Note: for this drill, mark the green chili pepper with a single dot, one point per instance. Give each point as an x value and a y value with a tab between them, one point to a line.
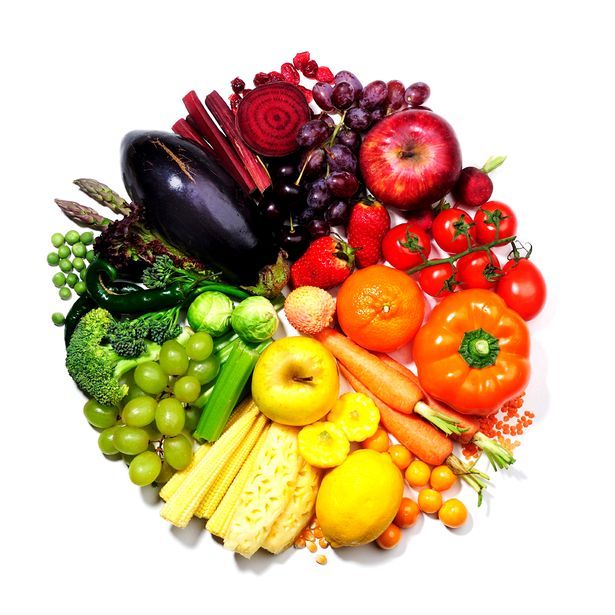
101	274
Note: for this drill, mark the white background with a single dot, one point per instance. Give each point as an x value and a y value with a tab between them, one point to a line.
532	81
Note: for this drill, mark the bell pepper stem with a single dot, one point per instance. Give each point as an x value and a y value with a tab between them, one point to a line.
499	457
468	473
443	423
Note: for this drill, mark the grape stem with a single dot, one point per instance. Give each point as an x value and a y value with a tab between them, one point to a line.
338	127
455	257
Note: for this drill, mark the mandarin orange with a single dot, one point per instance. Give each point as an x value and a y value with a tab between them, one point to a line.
380	308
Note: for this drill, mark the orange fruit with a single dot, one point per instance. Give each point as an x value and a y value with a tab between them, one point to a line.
380	308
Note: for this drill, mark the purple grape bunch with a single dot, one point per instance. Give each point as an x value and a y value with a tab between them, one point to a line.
313	192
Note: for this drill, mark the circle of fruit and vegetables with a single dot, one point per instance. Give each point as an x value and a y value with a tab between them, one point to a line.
179	290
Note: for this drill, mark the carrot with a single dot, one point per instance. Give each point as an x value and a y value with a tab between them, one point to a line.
469	424
382	380
419	437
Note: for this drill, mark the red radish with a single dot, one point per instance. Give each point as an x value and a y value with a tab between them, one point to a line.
474	186
269	117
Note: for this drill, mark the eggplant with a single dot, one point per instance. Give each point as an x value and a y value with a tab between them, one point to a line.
193	203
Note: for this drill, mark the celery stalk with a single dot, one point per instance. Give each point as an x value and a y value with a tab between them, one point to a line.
227	390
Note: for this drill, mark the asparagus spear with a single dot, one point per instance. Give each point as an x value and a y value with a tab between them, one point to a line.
82	215
104	195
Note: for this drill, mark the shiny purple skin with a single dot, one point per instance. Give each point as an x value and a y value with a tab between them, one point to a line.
342	96
374	95
417	93
313	163
338	213
342	184
196	205
347	77
322	95
318	228
341	158
349	138
396	94
358	119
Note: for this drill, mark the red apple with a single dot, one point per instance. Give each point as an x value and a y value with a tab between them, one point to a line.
410	159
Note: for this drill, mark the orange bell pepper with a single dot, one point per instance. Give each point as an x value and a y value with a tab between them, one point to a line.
473	352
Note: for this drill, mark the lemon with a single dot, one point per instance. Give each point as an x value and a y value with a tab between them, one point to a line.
359	499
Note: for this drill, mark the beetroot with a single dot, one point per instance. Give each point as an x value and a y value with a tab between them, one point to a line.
473	188
269	117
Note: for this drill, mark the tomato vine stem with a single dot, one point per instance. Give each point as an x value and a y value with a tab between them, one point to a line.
455	257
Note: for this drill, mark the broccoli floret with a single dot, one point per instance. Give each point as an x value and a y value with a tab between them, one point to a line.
94	365
129	337
164	272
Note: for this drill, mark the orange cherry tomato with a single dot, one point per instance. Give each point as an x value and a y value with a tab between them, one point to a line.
430	501
417	473
378	442
453	513
401	456
442	478
390	537
407	514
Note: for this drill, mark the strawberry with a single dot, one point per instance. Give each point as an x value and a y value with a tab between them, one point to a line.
369	222
326	263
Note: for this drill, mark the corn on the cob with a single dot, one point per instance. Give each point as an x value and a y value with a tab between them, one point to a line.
268	492
214	495
242	407
298	512
180	507
178	478
219	522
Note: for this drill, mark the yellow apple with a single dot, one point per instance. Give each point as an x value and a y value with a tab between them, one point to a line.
295	381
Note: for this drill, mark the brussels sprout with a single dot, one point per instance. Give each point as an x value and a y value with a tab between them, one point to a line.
255	319
210	312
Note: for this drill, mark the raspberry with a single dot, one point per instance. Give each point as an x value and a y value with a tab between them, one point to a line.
234	99
261	79
324	74
275	76
301	59
289	73
238	85
310	69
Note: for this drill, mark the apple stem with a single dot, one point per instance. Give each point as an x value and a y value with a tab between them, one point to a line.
455	257
406	154
306	379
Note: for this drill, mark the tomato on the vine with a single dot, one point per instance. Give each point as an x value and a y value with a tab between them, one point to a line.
406	245
451	229
523	288
478	270
438	280
491	214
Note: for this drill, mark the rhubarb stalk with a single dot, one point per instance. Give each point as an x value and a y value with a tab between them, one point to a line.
225	118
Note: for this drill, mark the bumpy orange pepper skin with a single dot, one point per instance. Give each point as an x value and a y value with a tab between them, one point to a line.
493	364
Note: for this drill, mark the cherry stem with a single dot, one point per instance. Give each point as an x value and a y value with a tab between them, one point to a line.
455	257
